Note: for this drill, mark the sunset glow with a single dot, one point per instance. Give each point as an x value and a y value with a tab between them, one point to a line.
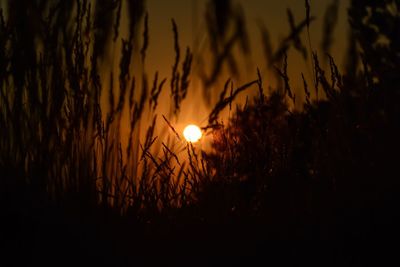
192	133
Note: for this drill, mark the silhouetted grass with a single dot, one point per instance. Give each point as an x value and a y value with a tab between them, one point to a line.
327	172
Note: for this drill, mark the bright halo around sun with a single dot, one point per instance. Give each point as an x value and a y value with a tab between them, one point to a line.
192	133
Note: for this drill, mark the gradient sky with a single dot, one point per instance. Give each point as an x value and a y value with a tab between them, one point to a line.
271	13
191	25
189	16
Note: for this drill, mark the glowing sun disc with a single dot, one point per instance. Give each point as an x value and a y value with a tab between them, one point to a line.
192	133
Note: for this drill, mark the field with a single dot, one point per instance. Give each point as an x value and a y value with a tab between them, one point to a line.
94	168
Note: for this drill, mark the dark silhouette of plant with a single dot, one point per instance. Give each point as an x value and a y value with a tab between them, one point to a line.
58	139
226	29
325	172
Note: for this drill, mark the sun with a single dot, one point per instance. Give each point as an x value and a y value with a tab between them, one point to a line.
192	133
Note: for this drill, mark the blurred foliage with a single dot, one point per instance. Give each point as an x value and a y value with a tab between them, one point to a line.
376	26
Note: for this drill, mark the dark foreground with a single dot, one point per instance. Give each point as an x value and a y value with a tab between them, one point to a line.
58	236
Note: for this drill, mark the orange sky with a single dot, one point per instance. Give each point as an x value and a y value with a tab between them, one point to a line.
272	13
191	25
189	18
